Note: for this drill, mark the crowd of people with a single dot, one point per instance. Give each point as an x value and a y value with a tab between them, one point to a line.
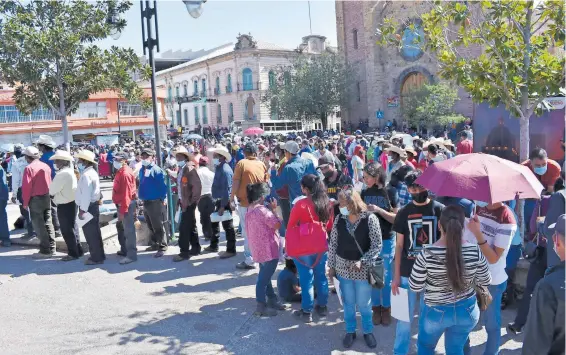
331	208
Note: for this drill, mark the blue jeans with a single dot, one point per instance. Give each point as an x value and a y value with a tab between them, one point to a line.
247	252
263	286
403	329
513	256
383	297
356	293
308	274
4	230
456	320
492	321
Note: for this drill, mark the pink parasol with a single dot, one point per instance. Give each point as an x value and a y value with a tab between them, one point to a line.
253	130
481	177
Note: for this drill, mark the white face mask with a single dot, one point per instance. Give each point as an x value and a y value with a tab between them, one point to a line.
117	164
181	163
215	161
145	162
344	211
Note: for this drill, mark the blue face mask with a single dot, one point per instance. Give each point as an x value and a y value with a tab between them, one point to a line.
540	170
344	211
481	203
81	168
181	163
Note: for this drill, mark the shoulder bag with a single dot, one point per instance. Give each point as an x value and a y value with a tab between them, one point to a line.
533	249
375	267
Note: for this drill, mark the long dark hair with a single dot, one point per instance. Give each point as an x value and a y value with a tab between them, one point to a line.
452	223
314	185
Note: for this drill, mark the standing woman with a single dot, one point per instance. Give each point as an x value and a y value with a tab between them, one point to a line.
358	164
356	228
447	272
87	197
316	207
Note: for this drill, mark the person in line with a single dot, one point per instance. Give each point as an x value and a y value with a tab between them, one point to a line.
262	227
492	228
46	146
334	180
358	164
87	198
416	225
322	151
205	203
221	190
545	169
314	208
189	190
511	261
35	198
153	193
288	286
63	191
447	271
18	165
397	182
248	171
395	160
4	197
294	170
545	331
382	200
354	241
124	195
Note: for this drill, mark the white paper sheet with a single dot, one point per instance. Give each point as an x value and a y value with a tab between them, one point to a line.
338	291
86	218
178	216
400	305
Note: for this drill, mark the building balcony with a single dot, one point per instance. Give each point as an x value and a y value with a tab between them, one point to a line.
249	86
253	118
219	120
228	89
203	93
230	118
216	91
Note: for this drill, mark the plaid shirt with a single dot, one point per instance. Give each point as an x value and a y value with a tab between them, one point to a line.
404	195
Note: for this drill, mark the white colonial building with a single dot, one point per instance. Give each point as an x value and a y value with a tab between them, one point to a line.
223	87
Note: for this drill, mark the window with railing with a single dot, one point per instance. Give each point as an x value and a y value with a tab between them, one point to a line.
90	110
247	79
197	120
271	79
203	87
10	114
186	114
229	83
195	88
127	109
170	93
177	92
217	89
219	114
179	118
204	115
185	90
230	112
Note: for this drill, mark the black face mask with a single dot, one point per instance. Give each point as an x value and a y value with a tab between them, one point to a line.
328	174
420	197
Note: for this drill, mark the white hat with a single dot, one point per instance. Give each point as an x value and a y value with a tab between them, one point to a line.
219	149
411	150
182	150
86	155
397	150
46	140
307	155
448	142
62	155
31	151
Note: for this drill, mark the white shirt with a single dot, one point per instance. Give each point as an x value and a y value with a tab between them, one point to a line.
88	189
64	186
327	154
18	167
352	147
206	177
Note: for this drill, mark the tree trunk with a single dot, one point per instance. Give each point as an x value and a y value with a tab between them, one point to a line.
324	121
524	139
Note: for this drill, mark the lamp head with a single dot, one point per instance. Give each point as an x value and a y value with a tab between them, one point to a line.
194	7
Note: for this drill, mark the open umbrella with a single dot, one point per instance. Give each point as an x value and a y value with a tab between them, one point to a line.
193	136
253	130
7	147
481	177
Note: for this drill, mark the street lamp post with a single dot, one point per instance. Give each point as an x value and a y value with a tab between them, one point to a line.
119	127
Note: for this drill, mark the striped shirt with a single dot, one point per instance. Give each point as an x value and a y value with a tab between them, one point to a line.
431	275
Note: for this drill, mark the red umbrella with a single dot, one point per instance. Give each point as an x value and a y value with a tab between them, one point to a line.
481	177
253	130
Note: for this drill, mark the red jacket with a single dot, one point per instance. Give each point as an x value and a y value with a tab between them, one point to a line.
124	189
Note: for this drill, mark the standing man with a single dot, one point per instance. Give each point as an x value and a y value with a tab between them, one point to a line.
46	145
4	196
205	203
221	190
248	171
153	193
322	151
545	169
465	145
124	196
545	331
35	197
18	166
62	191
334	180
87	198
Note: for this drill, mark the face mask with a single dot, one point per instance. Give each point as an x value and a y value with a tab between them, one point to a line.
181	163
425	153
540	170
117	165
145	162
420	197
328	174
56	167
344	211
481	203
389	158
81	168
215	161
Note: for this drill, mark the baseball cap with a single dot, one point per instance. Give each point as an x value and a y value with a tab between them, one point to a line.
324	161
559	226
250	148
121	156
149	152
292	147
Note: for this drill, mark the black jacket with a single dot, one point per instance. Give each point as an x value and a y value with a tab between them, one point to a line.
544	331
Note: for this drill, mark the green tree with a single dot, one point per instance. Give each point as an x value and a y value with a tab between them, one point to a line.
47	54
430	105
521	61
310	89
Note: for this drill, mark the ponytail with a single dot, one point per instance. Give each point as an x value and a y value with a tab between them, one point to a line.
318	195
452	222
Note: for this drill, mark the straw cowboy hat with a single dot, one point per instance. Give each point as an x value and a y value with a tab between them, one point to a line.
31	152
411	150
46	140
221	150
86	155
397	150
182	150
448	143
62	155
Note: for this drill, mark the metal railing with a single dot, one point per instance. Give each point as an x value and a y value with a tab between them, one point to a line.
249	86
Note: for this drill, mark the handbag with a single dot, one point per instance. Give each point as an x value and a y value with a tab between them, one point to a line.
532	250
306	239
483	296
375	268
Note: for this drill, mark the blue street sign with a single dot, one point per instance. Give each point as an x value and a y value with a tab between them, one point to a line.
379	114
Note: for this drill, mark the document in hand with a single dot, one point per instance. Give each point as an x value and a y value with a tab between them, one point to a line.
338	291
400	305
86	218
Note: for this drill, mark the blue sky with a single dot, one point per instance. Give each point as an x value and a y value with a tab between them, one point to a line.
280	22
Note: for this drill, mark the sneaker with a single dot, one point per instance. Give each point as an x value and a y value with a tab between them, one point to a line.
126	260
42	255
263	311
322	311
386	316
226	255
180	257
210	249
158	254
151	248
194	252
89	261
348	340
376	316
68	258
305	316
370	340
243	266
514	328
275	304
120	253
5	243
